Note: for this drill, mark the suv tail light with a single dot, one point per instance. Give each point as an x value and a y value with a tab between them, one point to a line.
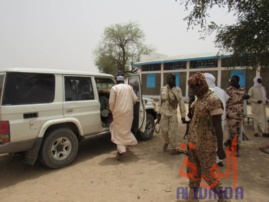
4	132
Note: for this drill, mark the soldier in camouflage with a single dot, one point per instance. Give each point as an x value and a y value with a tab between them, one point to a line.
204	139
170	99
234	112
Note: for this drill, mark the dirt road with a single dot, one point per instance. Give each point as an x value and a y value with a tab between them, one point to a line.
147	174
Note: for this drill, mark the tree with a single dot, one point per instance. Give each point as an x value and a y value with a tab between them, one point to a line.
248	37
121	45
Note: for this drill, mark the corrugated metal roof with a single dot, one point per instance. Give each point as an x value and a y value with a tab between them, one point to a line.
184	58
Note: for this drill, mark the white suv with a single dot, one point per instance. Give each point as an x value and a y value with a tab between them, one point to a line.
45	114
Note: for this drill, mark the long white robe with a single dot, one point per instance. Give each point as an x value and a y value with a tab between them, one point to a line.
221	94
258	110
121	102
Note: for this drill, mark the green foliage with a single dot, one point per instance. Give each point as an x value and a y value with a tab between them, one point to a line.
121	45
249	36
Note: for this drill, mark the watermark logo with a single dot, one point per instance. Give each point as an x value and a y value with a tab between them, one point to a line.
208	194
230	161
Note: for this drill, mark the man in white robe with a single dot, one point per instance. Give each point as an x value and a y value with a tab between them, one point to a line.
258	100
121	102
222	95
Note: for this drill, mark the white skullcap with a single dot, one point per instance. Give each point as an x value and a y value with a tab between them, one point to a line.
120	78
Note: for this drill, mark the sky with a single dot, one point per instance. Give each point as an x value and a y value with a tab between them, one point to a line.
63	34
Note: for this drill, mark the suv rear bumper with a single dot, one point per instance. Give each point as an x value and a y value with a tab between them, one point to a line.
13	147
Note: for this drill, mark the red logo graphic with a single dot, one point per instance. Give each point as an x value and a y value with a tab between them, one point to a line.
214	170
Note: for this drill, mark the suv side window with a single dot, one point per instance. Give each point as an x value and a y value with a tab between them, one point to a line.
78	88
29	88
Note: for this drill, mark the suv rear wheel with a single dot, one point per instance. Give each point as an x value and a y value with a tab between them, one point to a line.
59	149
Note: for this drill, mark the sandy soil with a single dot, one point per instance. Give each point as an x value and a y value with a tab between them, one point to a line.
147	174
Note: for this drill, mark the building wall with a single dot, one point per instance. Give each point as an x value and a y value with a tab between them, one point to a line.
156	72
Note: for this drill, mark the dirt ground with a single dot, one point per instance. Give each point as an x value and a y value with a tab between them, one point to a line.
147	174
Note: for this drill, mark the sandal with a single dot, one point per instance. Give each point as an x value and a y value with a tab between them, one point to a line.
120	155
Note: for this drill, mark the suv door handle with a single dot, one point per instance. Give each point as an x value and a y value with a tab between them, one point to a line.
69	110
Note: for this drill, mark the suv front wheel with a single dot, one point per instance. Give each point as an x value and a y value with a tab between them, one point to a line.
59	148
149	130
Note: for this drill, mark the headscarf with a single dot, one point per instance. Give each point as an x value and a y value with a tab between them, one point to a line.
255	80
198	80
210	79
259	85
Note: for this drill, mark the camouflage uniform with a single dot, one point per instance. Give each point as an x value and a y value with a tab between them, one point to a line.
202	141
170	99
234	110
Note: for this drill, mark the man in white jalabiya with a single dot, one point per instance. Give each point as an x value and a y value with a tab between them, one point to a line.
121	102
258	100
222	95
